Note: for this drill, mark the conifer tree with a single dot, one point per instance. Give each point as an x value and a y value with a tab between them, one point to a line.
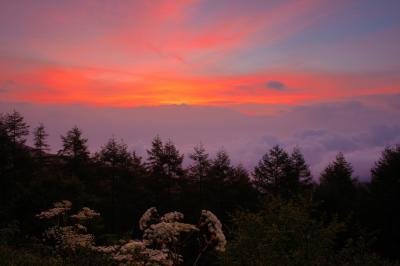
301	169
137	164
199	169
385	181
337	186
201	164
155	158
164	164
115	154
5	147
221	172
74	148
385	188
40	136
16	127
172	168
172	160
274	174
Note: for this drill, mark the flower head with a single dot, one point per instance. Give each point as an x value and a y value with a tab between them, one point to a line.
211	223
149	217
85	214
60	207
172	217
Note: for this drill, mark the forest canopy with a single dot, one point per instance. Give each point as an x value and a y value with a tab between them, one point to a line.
274	214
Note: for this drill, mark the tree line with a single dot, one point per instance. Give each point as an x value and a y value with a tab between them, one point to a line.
121	185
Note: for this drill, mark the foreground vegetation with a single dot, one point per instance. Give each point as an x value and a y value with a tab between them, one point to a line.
275	215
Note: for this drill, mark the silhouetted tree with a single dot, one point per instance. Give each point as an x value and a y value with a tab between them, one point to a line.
172	160
39	140
165	166
155	158
275	174
239	191
385	186
220	172
5	147
155	168
337	187
199	169
16	166
75	148
16	127
115	154
173	169
301	169
137	164
6	163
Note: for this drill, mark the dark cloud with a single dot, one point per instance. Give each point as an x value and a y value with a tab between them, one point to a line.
276	85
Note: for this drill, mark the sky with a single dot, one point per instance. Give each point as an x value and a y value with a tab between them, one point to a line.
239	75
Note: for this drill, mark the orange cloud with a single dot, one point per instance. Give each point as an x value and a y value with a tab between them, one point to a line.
46	83
155	53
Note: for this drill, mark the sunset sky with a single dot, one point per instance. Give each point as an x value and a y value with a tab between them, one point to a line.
251	73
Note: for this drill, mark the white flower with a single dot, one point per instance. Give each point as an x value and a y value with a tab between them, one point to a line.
85	214
214	226
81	228
160	257
132	246
150	216
67	237
59	208
172	217
164	234
182	227
105	249
161	233
134	252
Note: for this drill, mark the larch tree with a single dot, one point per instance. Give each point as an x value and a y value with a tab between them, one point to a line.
385	188
115	154
199	169
75	148
155	158
172	168
16	128
221	171
274	174
301	170
117	159
337	186
5	147
39	140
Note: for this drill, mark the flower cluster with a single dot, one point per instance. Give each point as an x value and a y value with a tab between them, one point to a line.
85	214
209	221
149	217
60	208
164	231
134	252
161	234
69	237
161	242
172	217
